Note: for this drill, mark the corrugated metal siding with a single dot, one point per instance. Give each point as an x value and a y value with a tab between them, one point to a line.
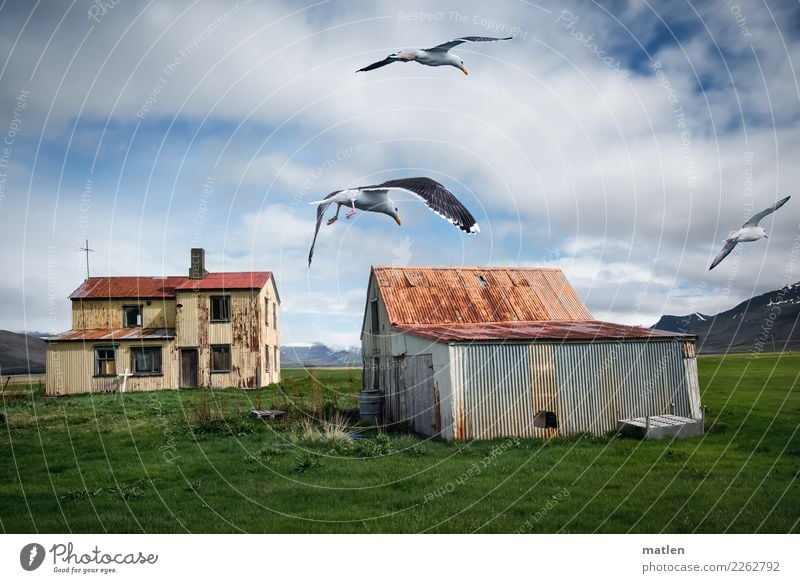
499	388
602	382
426	295
497	391
70	368
100	313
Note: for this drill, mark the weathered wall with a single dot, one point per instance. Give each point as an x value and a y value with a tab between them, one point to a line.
70	368
498	388
247	334
107	314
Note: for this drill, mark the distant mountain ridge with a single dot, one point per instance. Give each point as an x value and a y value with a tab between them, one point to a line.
318	355
21	353
768	322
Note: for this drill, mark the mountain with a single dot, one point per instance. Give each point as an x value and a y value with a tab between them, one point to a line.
318	355
769	322
21	353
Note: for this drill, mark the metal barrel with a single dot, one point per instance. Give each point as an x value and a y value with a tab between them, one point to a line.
370	406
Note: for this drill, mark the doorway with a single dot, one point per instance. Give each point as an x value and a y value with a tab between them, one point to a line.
189	360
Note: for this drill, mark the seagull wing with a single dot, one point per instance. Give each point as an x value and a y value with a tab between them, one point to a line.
378	64
753	222
437	197
320	213
726	250
444	47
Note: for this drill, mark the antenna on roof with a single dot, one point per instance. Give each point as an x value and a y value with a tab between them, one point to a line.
87	250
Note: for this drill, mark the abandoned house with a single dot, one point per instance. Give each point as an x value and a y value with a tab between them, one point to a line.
482	352
147	333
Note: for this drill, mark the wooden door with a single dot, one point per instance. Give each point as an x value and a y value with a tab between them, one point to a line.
189	362
420	390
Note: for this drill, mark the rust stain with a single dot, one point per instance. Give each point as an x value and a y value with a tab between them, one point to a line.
437	404
537	330
202	321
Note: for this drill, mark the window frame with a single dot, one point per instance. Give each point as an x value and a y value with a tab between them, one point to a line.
211	350
375	321
151	347
97	360
275	315
226	317
376	370
266	312
140	319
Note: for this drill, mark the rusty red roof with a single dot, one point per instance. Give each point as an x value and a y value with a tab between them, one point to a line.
539	330
228	280
164	287
453	295
115	334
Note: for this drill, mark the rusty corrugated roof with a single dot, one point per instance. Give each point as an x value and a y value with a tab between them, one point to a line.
164	287
115	334
452	295
547	330
228	280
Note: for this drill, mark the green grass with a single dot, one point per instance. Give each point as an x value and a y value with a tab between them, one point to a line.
146	462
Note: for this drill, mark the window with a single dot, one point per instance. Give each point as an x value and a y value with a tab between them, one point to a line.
267	358
131	316
376	378
266	311
105	364
146	360
275	315
546	420
275	360
373	310
220	308
221	358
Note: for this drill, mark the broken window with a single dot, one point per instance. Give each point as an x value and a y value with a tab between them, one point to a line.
546	420
131	316
221	358
374	314
220	308
146	360
268	359
105	363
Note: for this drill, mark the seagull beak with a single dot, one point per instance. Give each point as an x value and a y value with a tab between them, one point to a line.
397	220
464	69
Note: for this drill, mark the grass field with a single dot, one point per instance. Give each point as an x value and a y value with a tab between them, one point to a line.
192	461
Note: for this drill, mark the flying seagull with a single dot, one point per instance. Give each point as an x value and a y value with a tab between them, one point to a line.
434	56
750	231
376	199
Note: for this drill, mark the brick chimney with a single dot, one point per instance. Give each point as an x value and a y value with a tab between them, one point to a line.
197	267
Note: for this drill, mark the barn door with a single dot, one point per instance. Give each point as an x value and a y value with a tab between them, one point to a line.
419	382
189	367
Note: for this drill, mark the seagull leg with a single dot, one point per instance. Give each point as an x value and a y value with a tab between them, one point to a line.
334	218
351	213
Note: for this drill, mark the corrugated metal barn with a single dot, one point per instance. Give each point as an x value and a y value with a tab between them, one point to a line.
481	352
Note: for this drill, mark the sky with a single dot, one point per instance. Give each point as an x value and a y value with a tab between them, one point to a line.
620	142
